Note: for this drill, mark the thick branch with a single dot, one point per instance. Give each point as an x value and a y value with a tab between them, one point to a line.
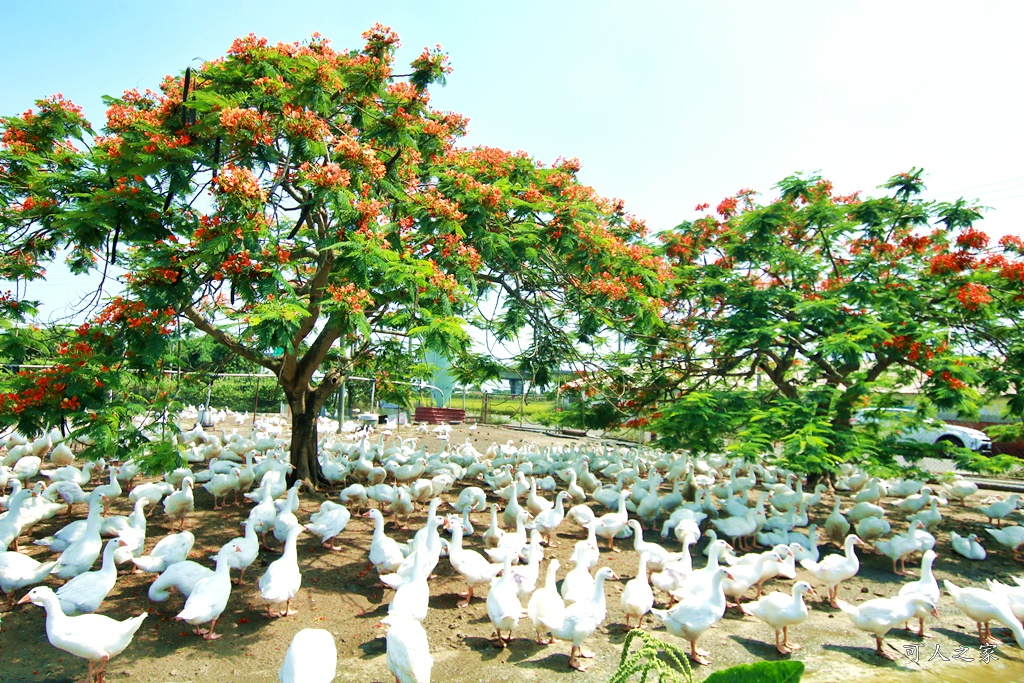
226	340
316	289
317	352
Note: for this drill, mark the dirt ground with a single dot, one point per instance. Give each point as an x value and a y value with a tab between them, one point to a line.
338	594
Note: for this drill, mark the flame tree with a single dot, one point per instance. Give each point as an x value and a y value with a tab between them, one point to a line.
789	315
299	205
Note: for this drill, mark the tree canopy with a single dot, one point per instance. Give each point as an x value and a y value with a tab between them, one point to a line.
786	316
302	206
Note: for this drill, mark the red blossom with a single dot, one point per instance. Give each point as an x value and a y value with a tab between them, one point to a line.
972	239
973	295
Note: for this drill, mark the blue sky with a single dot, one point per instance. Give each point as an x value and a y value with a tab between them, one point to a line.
667	105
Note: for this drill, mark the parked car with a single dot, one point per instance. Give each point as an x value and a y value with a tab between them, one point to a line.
931	432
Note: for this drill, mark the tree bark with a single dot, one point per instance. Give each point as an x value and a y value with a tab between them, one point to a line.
306	402
303	452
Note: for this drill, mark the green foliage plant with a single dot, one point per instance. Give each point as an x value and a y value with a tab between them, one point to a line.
654	655
672	665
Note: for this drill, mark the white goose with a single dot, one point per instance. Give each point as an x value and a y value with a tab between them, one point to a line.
209	597
578	583
926	586
243	550
168	550
880	615
961	489
179	504
473	566
834	569
1012	537
837	526
983	606
182	576
494	533
899	547
18	570
968	547
93	637
312	657
744	576
386	554
693	616
637	596
546	604
84	593
503	606
658	557
1000	509
582	618
607	526
80	555
330	521
782	610
547	521
282	580
408	652
74	531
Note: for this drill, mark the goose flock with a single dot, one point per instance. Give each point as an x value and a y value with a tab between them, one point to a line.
599	501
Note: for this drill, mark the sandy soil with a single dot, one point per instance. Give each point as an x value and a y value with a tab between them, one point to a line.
338	594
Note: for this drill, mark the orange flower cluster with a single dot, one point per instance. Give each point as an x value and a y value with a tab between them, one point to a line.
44	389
917	244
147	109
951	263
304	123
272	86
111	144
378	36
59	103
165	143
445	282
441	207
613	287
135	315
914	350
1012	243
972	239
125	186
154	276
240	182
363	155
18	140
328	175
248	123
727	207
281	254
33	204
952	381
237	264
972	295
247	47
356	300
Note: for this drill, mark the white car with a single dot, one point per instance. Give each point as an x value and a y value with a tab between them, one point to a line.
932	432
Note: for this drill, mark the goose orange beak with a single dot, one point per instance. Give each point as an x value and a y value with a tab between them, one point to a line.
23	600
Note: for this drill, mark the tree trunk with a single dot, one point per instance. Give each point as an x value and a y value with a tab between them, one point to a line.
306	466
306	401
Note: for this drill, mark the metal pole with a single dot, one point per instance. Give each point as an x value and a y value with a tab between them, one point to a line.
341	405
256	406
